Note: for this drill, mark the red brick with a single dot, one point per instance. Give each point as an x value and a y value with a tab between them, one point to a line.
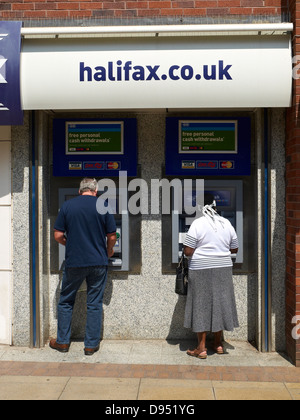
67	6
103	13
114	6
264	11
91	6
58	14
218	12
229	3
149	13
79	14
172	12
183	4
237	11
5	6
276	3
126	13
205	4
252	3
160	5
22	6
35	14
45	6
194	12
136	5
8	15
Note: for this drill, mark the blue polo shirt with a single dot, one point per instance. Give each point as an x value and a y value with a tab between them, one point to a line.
86	231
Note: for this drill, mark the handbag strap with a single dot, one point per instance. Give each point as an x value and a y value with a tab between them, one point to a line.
182	258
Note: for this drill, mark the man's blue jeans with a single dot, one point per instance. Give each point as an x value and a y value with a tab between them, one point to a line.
96	278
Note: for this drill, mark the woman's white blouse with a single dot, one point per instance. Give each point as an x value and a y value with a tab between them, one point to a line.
212	241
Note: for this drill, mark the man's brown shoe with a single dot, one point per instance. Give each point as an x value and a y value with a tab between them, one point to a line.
63	348
90	352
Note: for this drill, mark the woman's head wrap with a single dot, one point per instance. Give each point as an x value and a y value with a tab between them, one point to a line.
209	211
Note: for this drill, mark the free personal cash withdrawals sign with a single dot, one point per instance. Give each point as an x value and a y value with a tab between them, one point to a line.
98	148
161	72
208	137
208	147
94	138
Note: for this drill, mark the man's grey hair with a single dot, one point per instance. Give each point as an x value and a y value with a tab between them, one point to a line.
88	184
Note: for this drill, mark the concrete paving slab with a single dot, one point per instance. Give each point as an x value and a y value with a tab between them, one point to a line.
79	389
175	389
265	391
294	390
31	387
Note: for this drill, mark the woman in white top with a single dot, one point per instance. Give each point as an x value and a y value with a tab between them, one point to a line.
211	304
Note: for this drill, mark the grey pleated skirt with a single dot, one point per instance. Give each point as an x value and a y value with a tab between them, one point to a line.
211	304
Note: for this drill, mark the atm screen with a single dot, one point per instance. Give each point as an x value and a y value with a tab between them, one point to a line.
69	197
226	207
229	200
223	198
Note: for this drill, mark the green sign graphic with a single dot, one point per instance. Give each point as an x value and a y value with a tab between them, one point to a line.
90	138
208	137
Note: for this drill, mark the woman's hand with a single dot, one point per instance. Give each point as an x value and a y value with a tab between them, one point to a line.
188	251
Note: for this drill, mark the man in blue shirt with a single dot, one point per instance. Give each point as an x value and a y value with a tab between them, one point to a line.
89	238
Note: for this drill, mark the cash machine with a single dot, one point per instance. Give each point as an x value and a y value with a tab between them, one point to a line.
99	149
216	150
229	199
120	260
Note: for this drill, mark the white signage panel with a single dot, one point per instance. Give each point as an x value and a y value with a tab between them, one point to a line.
216	72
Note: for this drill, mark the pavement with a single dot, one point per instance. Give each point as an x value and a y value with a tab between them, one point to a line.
149	370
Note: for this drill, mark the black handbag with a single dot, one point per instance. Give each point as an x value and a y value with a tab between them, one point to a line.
182	272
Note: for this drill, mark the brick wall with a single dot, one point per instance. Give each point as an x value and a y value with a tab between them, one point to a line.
293	201
51	9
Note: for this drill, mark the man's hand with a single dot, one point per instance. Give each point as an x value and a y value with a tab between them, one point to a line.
110	252
111	242
60	237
